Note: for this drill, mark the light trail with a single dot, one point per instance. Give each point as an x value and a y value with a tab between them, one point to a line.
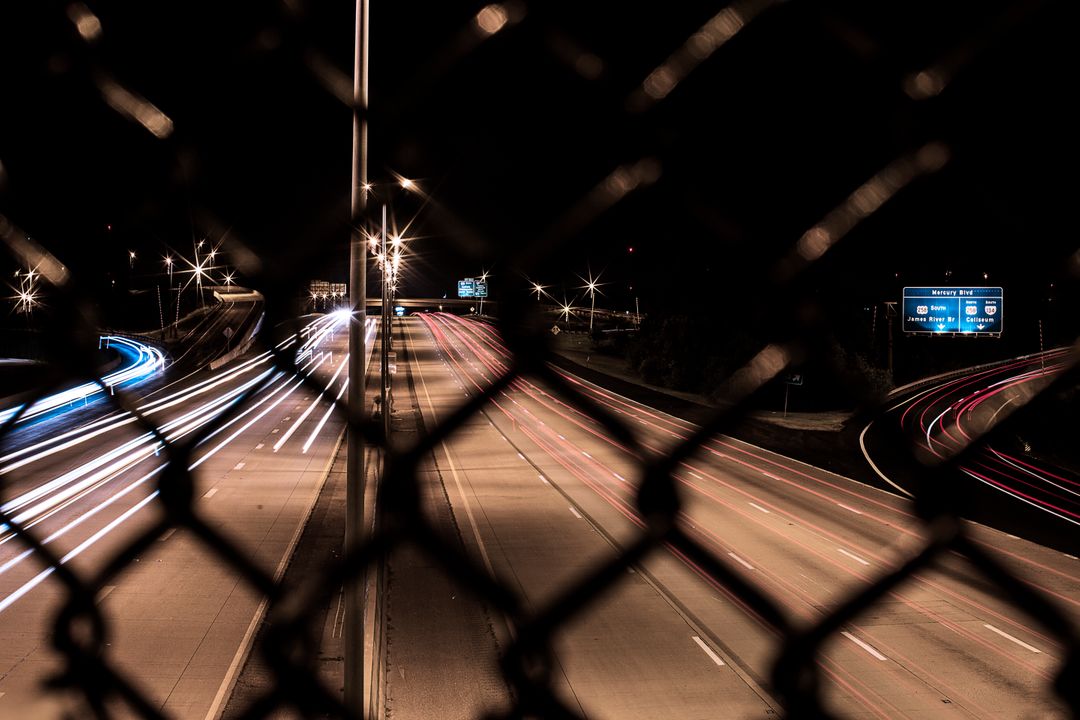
114	463
142	362
448	343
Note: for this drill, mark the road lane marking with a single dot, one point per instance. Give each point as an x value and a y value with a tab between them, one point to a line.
544	480
1007	636
260	446
238	466
695	475
857	512
521	456
274	431
586	454
619	477
561	437
576	513
865	646
742	562
104	593
853	556
210	493
708	651
167	534
758	507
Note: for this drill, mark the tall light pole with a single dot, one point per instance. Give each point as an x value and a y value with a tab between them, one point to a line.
384	333
354	475
483	279
591	285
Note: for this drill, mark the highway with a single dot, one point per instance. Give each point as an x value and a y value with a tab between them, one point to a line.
538	493
179	619
1009	485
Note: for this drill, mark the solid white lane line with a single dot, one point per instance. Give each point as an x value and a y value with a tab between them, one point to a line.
865	646
873	466
575	512
758	507
210	493
1007	636
851	509
742	562
708	651
167	534
853	556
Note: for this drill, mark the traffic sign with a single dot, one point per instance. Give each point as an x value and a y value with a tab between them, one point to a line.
953	311
480	288
466	288
793	378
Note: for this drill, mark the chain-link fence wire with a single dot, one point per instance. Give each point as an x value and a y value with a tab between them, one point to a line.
288	41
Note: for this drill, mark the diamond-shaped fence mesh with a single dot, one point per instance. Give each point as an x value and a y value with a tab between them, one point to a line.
755	141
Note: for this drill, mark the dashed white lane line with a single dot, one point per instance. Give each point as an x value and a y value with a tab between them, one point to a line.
708	651
865	646
561	437
166	535
758	507
210	493
575	512
521	456
586	454
274	431
853	556
619	477
544	480
1007	636
260	446
742	562
238	466
694	475
849	509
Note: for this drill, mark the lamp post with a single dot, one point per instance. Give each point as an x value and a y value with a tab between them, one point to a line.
384	390
591	285
353	630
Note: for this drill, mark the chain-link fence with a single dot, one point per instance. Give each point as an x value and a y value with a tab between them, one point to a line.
754	157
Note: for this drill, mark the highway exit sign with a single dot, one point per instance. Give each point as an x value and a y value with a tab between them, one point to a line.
953	310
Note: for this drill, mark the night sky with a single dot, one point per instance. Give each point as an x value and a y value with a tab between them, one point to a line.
509	134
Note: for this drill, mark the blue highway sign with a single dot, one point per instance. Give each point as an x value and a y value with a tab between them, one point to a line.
953	310
467	288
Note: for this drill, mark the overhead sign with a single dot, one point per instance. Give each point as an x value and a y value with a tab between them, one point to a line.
480	288
399	310
953	311
467	288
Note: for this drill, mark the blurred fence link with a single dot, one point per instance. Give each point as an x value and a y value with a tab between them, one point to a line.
81	627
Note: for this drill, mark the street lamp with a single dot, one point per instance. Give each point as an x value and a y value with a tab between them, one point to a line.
483	279
131	259
591	285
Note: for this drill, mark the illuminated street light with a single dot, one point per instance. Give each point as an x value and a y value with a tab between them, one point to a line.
538	288
483	279
131	259
591	285
407	184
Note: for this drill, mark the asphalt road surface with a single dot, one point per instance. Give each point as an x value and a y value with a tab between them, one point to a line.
537	493
179	619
